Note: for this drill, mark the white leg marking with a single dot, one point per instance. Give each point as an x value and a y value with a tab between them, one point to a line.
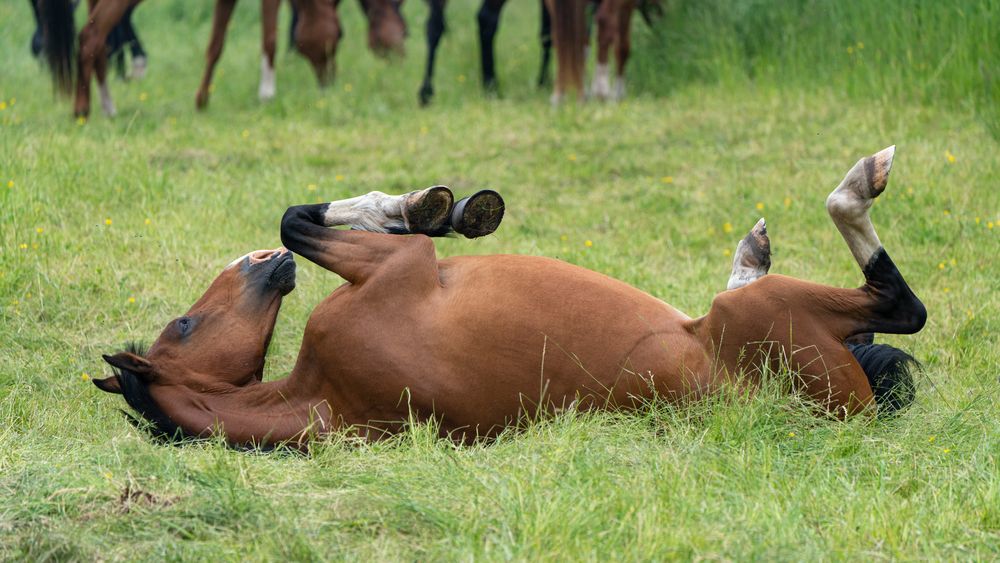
375	211
848	205
107	104
138	68
619	94
267	82
602	82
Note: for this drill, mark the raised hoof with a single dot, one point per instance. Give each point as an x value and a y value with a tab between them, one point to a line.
752	259
426	211
478	215
865	181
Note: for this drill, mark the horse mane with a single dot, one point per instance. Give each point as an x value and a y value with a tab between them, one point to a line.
890	374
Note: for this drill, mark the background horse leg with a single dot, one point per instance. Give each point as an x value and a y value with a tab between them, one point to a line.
220	20
623	46
269	32
607	29
545	36
104	15
139	60
435	29
489	19
569	32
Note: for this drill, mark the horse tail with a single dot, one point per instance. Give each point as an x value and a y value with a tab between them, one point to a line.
569	31
889	372
59	41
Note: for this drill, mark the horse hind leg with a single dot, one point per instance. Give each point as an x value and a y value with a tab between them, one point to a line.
752	258
269	33
893	307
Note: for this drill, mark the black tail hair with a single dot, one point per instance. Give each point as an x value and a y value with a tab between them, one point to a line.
889	372
59	41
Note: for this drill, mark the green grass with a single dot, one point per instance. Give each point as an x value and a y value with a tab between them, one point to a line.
655	183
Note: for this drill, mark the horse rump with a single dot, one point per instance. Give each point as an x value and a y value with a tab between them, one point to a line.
890	374
58	41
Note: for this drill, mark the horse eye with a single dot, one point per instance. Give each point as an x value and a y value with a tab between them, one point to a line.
184	325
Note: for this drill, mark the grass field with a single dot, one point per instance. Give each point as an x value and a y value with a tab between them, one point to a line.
108	229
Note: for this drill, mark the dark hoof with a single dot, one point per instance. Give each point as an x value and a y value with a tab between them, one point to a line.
426	95
478	215
426	211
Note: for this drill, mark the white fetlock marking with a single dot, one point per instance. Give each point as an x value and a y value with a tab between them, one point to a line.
107	104
267	80
619	94
138	68
602	82
376	212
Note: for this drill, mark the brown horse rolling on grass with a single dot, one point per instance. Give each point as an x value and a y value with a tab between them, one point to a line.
316	33
477	343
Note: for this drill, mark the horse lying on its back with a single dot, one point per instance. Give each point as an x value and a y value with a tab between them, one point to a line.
464	340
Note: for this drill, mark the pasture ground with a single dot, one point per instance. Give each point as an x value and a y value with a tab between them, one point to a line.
110	228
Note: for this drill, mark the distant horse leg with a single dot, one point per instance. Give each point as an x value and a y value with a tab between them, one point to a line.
223	11
269	31
545	35
101	69
624	44
36	37
569	33
435	29
489	20
752	258
139	60
103	17
607	29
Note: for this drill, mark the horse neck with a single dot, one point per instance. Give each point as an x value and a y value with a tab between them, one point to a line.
264	413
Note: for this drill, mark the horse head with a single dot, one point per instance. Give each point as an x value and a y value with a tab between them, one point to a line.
386	26
317	33
221	341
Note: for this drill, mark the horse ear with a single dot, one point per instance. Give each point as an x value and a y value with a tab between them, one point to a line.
109	384
131	362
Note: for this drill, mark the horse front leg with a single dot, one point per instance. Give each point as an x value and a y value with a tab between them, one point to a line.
623	47
489	20
220	21
607	29
435	29
545	37
269	39
102	18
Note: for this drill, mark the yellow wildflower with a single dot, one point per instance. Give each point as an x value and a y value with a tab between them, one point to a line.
949	156
24	246
909	191
3	105
81	120
131	300
107	222
143	96
791	434
348	87
85	377
588	243
667	179
953	262
149	221
10	183
788	202
760	206
945	450
989	225
727	252
941	266
861	45
572	157
850	50
947	212
563	238
39	230
339	178
311	187
946	290
931	439
977	220
727	227
245	133
423	129
461	78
